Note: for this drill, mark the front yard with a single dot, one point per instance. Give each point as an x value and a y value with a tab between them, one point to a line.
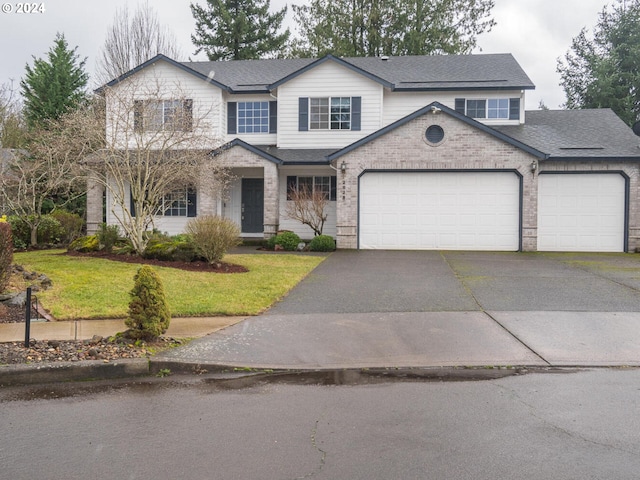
85	287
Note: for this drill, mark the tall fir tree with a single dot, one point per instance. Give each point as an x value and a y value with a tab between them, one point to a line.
53	87
239	30
604	71
390	27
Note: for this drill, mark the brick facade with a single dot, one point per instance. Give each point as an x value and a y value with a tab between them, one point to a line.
463	148
239	157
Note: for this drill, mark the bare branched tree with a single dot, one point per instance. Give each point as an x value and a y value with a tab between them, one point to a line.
132	40
152	147
48	169
308	205
12	124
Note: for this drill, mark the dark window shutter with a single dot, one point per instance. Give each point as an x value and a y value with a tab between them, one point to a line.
132	204
187	113
460	104
232	118
514	109
292	184
303	114
273	117
192	205
334	189
138	112
356	113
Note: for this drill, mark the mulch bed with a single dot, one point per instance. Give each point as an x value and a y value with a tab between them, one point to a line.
197	266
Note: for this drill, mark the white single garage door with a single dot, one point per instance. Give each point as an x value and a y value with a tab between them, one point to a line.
581	212
439	210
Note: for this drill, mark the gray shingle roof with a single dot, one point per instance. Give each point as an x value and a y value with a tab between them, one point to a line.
576	134
432	72
290	156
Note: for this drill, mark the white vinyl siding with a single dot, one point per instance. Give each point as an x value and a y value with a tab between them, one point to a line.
327	80
581	212
400	104
162	81
252	138
173	225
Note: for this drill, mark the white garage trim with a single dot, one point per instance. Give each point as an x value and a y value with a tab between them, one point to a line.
582	212
440	210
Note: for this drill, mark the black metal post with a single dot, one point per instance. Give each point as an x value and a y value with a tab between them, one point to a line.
27	318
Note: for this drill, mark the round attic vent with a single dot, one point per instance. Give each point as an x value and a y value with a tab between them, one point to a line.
434	134
636	128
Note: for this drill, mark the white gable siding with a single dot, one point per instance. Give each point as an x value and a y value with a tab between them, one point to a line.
400	104
257	138
327	80
162	80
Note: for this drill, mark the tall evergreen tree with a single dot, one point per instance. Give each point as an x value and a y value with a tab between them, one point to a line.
390	27
238	29
53	87
604	71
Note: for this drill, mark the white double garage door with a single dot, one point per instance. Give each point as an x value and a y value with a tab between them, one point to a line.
482	211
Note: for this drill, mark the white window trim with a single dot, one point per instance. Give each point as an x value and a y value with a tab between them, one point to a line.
245	126
329	122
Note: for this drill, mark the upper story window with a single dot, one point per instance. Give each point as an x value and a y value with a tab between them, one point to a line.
491	109
252	117
158	115
329	113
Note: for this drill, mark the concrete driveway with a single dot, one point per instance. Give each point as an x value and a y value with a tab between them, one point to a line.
425	309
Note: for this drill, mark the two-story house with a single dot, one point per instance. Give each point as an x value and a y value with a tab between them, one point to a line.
416	152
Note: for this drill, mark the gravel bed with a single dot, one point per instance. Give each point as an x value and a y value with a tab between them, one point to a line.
98	348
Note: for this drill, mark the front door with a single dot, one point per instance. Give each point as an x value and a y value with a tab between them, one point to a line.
252	205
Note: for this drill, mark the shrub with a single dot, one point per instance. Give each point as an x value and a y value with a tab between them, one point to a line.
49	231
178	250
71	224
288	241
6	254
149	315
322	243
213	236
108	235
86	244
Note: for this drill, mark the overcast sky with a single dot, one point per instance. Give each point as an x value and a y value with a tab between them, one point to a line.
536	32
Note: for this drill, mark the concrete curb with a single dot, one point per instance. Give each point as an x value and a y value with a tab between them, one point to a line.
55	372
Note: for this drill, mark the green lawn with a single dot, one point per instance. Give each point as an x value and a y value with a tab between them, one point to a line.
86	287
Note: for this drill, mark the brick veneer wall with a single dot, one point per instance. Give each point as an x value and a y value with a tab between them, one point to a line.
463	148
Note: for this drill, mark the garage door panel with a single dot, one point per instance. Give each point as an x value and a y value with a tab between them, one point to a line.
448	210
581	212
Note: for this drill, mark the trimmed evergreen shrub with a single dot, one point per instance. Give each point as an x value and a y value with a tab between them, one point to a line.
71	224
322	243
108	235
149	315
86	244
288	241
179	250
212	236
6	254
